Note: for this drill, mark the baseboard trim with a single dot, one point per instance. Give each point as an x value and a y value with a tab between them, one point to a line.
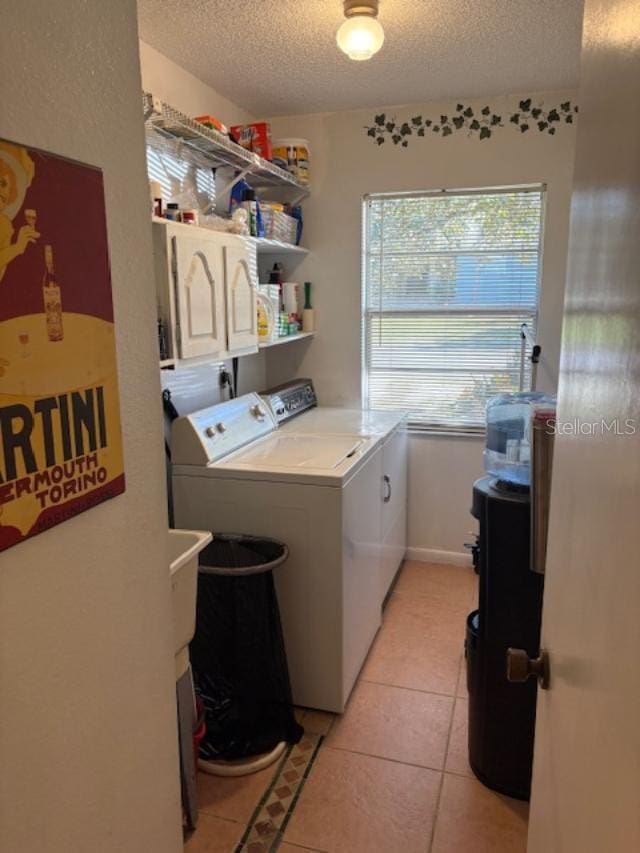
429	555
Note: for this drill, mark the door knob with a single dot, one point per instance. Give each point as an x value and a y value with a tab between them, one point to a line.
521	667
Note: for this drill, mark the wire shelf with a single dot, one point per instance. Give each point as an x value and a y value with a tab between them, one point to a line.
218	149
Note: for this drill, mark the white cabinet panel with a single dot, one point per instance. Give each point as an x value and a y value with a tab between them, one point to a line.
394	504
242	331
394	475
199	287
393	550
360	568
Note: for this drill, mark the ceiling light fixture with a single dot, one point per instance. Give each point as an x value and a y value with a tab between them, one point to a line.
361	35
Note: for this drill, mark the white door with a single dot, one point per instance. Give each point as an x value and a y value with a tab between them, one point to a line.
586	778
242	333
394	508
361	613
199	287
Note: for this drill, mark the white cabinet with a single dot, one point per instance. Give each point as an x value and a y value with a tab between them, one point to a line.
206	294
198	275
393	525
242	334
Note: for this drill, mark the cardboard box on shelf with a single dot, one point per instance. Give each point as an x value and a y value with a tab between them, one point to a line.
254	137
212	122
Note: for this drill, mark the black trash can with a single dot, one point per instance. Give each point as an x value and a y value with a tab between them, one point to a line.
237	654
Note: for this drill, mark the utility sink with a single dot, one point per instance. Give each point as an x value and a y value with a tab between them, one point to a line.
184	547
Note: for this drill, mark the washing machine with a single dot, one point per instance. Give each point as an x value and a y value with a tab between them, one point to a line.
235	470
295	406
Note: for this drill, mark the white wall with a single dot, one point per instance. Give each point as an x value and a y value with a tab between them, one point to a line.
346	164
169	81
87	715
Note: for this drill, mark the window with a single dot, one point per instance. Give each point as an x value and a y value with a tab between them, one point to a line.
449	277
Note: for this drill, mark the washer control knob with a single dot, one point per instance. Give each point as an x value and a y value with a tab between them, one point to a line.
210	432
258	412
221	427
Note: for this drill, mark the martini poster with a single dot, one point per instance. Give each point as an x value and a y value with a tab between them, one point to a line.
60	436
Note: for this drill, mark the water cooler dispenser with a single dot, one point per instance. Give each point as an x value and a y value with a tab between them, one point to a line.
502	713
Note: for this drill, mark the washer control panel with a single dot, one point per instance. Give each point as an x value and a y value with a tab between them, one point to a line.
293	398
210	434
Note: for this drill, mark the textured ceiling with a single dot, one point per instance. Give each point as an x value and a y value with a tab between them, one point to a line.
278	57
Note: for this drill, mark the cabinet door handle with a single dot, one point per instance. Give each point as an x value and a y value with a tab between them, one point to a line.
387	482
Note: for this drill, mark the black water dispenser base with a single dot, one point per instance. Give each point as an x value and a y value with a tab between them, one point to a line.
502	714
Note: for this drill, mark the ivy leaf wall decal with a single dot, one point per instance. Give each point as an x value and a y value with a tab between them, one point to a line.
483	125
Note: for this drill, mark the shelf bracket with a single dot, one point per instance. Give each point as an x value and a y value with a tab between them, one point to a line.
298	198
231	184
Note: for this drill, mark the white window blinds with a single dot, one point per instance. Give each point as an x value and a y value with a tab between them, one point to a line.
449	278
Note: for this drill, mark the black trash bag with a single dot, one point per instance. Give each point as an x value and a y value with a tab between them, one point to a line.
237	654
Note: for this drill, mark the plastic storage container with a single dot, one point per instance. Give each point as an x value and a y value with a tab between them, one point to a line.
508	452
293	155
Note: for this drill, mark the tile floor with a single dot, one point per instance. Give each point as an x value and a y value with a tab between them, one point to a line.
392	774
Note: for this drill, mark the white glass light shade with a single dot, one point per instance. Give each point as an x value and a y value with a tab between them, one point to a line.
360	37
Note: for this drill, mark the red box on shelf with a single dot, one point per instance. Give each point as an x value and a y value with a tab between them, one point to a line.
254	137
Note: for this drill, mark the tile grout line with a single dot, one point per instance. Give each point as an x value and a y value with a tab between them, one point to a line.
436	812
391	760
416	689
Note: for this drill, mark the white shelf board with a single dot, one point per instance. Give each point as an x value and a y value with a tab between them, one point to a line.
277	247
167	362
286	340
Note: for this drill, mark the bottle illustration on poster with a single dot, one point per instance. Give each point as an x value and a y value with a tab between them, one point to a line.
60	435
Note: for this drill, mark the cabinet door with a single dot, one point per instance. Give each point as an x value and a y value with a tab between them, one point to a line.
394	502
242	333
199	288
361	612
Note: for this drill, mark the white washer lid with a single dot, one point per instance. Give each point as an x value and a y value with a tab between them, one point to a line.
325	419
297	451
